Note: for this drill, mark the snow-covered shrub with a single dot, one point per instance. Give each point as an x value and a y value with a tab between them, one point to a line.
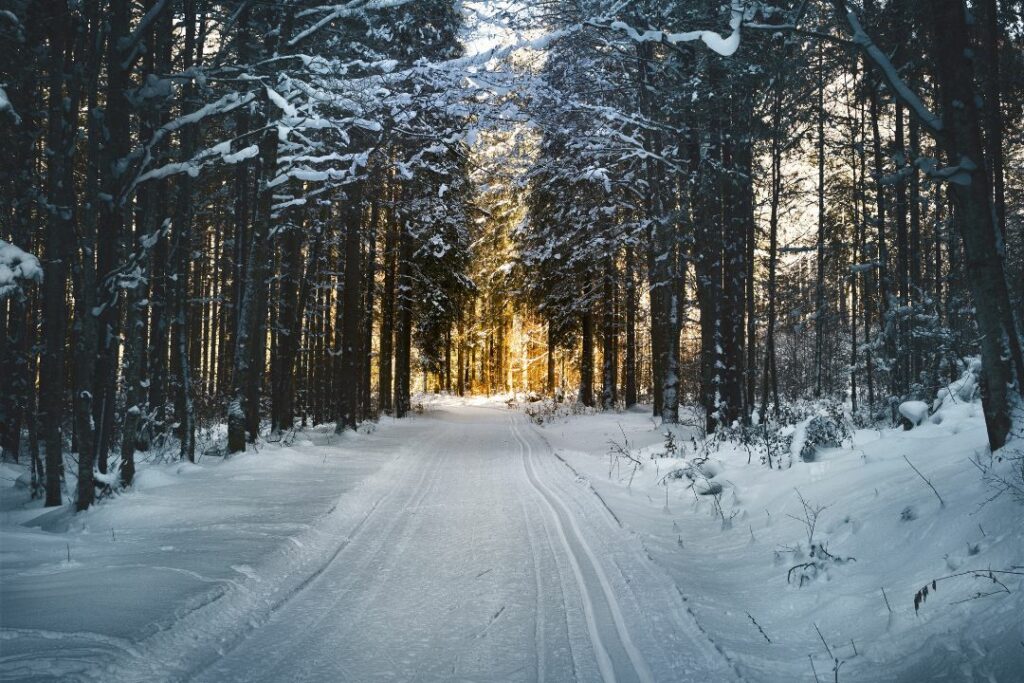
964	390
823	431
671	449
697	470
621	453
548	410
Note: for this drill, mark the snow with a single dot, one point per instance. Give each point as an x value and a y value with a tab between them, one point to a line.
147	559
241	155
5	106
914	411
16	266
726	46
469	543
281	103
730	554
877	55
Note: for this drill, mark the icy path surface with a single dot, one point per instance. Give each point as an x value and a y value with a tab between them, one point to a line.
466	550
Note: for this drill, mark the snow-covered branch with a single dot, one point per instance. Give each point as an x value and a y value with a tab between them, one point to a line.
16	266
723	45
875	54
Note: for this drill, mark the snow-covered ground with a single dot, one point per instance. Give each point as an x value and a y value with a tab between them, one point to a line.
469	543
453	545
81	594
731	557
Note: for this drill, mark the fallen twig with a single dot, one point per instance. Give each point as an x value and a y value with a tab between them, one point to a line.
942	503
754	621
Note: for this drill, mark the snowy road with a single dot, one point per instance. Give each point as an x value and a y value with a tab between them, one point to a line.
470	552
484	561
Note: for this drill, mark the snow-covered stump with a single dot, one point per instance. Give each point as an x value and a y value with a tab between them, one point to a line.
913	413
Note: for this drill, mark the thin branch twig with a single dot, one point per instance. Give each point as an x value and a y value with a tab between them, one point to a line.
942	503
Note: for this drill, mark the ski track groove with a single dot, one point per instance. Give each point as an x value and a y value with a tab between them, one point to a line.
379	545
640	666
193	644
157	653
682	613
405	525
538	613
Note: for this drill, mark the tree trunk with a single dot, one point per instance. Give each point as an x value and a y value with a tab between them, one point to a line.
819	289
630	305
348	415
366	409
59	240
586	393
289	320
403	326
387	316
769	380
608	333
962	141
244	411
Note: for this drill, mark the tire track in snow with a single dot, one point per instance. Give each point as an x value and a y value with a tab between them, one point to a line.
588	572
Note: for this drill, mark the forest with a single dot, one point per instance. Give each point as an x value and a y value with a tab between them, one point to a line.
227	224
288	213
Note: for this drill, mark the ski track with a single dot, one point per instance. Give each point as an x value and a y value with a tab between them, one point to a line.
472	554
588	572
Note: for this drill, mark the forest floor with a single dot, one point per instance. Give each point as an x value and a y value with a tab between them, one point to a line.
469	543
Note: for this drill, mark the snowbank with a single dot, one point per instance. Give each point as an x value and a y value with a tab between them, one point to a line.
843	545
81	593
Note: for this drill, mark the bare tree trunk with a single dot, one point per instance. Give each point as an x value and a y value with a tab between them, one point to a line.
366	408
915	257
403	326
288	329
881	208
962	142
630	305
608	336
549	384
586	393
110	243
387	315
59	240
660	258
348	415
244	411
901	357
991	35
179	256
85	339
819	290
769	380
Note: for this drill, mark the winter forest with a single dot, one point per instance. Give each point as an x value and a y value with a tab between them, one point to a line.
656	340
